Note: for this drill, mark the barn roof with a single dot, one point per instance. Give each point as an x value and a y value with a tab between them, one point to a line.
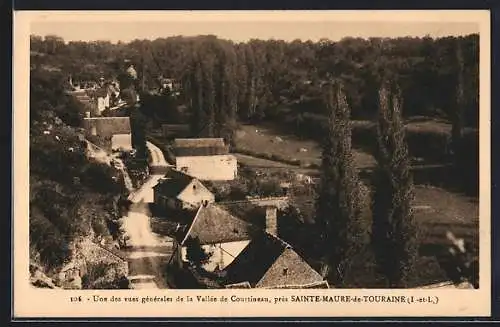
247	211
108	126
199	147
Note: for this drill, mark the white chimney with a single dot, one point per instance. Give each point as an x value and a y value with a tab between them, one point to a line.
272	221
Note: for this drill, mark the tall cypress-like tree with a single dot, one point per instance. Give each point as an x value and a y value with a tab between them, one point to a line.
209	97
394	238
196	91
338	211
457	113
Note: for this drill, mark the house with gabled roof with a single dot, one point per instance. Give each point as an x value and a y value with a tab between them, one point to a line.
109	132
219	233
245	252
177	190
269	262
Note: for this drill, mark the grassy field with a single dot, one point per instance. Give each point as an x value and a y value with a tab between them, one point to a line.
263	139
437	210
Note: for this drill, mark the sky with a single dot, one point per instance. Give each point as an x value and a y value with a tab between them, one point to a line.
241	31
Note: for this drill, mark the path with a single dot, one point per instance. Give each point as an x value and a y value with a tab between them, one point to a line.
148	252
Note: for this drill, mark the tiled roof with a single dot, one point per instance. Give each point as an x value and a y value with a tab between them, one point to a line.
200	147
269	262
213	224
247	211
108	126
173	184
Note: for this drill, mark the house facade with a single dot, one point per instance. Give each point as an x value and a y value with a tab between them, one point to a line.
209	168
108	132
180	191
205	159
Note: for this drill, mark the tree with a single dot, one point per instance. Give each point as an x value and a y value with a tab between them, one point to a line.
457	113
338	212
393	228
195	253
138	124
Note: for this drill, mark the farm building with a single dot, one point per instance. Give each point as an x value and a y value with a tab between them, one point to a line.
205	159
244	254
180	191
108	132
269	262
219	233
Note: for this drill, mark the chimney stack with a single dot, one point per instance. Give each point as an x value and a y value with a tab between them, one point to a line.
272	221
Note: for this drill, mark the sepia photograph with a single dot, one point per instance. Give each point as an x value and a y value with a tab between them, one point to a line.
254	153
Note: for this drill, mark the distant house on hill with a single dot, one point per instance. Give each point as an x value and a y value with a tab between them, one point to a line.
109	132
205	158
180	191
102	96
219	233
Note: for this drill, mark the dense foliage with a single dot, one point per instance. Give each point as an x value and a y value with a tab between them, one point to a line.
70	196
394	230
253	79
338	205
195	253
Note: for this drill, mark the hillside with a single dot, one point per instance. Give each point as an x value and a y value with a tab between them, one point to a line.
72	198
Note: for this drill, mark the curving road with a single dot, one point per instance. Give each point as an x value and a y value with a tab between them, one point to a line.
148	252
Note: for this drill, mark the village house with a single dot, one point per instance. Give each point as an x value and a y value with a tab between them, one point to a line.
102	98
205	159
109	133
219	233
177	190
245	252
269	262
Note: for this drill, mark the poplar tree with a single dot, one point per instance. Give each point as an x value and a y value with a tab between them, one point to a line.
457	113
338	210
393	227
197	103
209	97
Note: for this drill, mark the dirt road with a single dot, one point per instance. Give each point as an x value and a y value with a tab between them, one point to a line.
148	252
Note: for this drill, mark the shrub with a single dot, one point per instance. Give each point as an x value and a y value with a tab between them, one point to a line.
195	253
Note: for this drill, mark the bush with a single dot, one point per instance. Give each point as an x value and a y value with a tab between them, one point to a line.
195	253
